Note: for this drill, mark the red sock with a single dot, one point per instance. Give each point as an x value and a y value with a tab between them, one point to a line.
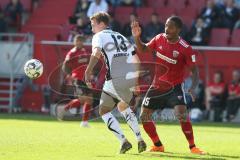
75	103
86	112
188	132
150	129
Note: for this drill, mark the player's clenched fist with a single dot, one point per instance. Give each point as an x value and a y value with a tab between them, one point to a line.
136	29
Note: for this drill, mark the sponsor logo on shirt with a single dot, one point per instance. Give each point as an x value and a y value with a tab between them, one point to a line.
163	57
82	60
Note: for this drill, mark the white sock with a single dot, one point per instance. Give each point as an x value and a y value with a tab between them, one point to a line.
132	122
113	125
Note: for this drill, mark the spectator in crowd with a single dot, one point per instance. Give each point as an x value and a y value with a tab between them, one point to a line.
115	3
154	27
97	6
198	34
233	100
35	4
3	24
13	12
80	10
215	96
82	28
220	3
127	31
209	14
237	24
136	3
114	24
230	14
237	3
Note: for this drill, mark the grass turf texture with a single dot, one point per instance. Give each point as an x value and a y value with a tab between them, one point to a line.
38	137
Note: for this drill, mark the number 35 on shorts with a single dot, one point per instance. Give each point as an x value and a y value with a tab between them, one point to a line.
146	101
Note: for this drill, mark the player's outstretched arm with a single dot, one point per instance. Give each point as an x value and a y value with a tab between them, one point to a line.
136	32
93	61
195	81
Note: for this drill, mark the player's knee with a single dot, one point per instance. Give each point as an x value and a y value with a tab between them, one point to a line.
144	117
103	110
181	116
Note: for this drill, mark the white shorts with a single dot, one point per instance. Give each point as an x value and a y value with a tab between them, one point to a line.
112	94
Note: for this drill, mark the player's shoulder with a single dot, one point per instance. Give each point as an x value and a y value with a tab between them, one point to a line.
97	35
184	44
72	51
160	36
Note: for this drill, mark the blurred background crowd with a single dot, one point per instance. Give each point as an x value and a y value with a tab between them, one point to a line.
200	17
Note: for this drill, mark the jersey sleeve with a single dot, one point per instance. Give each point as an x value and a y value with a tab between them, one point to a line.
152	44
68	56
96	41
190	56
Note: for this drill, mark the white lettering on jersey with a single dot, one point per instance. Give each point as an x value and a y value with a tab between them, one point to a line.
193	58
163	57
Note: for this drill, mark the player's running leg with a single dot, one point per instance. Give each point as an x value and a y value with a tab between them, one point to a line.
107	103
182	115
132	121
86	113
75	103
114	126
86	110
150	129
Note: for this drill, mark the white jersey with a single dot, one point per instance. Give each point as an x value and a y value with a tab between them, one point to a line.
117	51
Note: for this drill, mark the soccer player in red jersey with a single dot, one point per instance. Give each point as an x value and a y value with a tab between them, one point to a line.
216	95
75	65
177	55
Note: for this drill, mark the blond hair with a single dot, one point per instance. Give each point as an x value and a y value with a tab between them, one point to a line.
101	17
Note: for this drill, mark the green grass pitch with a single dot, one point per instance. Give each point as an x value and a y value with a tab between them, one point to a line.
37	137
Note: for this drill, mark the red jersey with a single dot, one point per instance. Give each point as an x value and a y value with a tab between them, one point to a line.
216	88
77	61
234	89
175	56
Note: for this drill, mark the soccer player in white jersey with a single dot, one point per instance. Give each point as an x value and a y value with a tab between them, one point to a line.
119	56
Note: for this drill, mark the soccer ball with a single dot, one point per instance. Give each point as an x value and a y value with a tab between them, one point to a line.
33	68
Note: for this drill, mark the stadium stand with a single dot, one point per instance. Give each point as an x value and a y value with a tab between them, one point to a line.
235	38
122	14
144	14
47	17
180	4
154	3
220	37
165	12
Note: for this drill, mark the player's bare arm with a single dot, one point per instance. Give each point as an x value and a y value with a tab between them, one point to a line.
195	80
96	54
65	67
136	32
